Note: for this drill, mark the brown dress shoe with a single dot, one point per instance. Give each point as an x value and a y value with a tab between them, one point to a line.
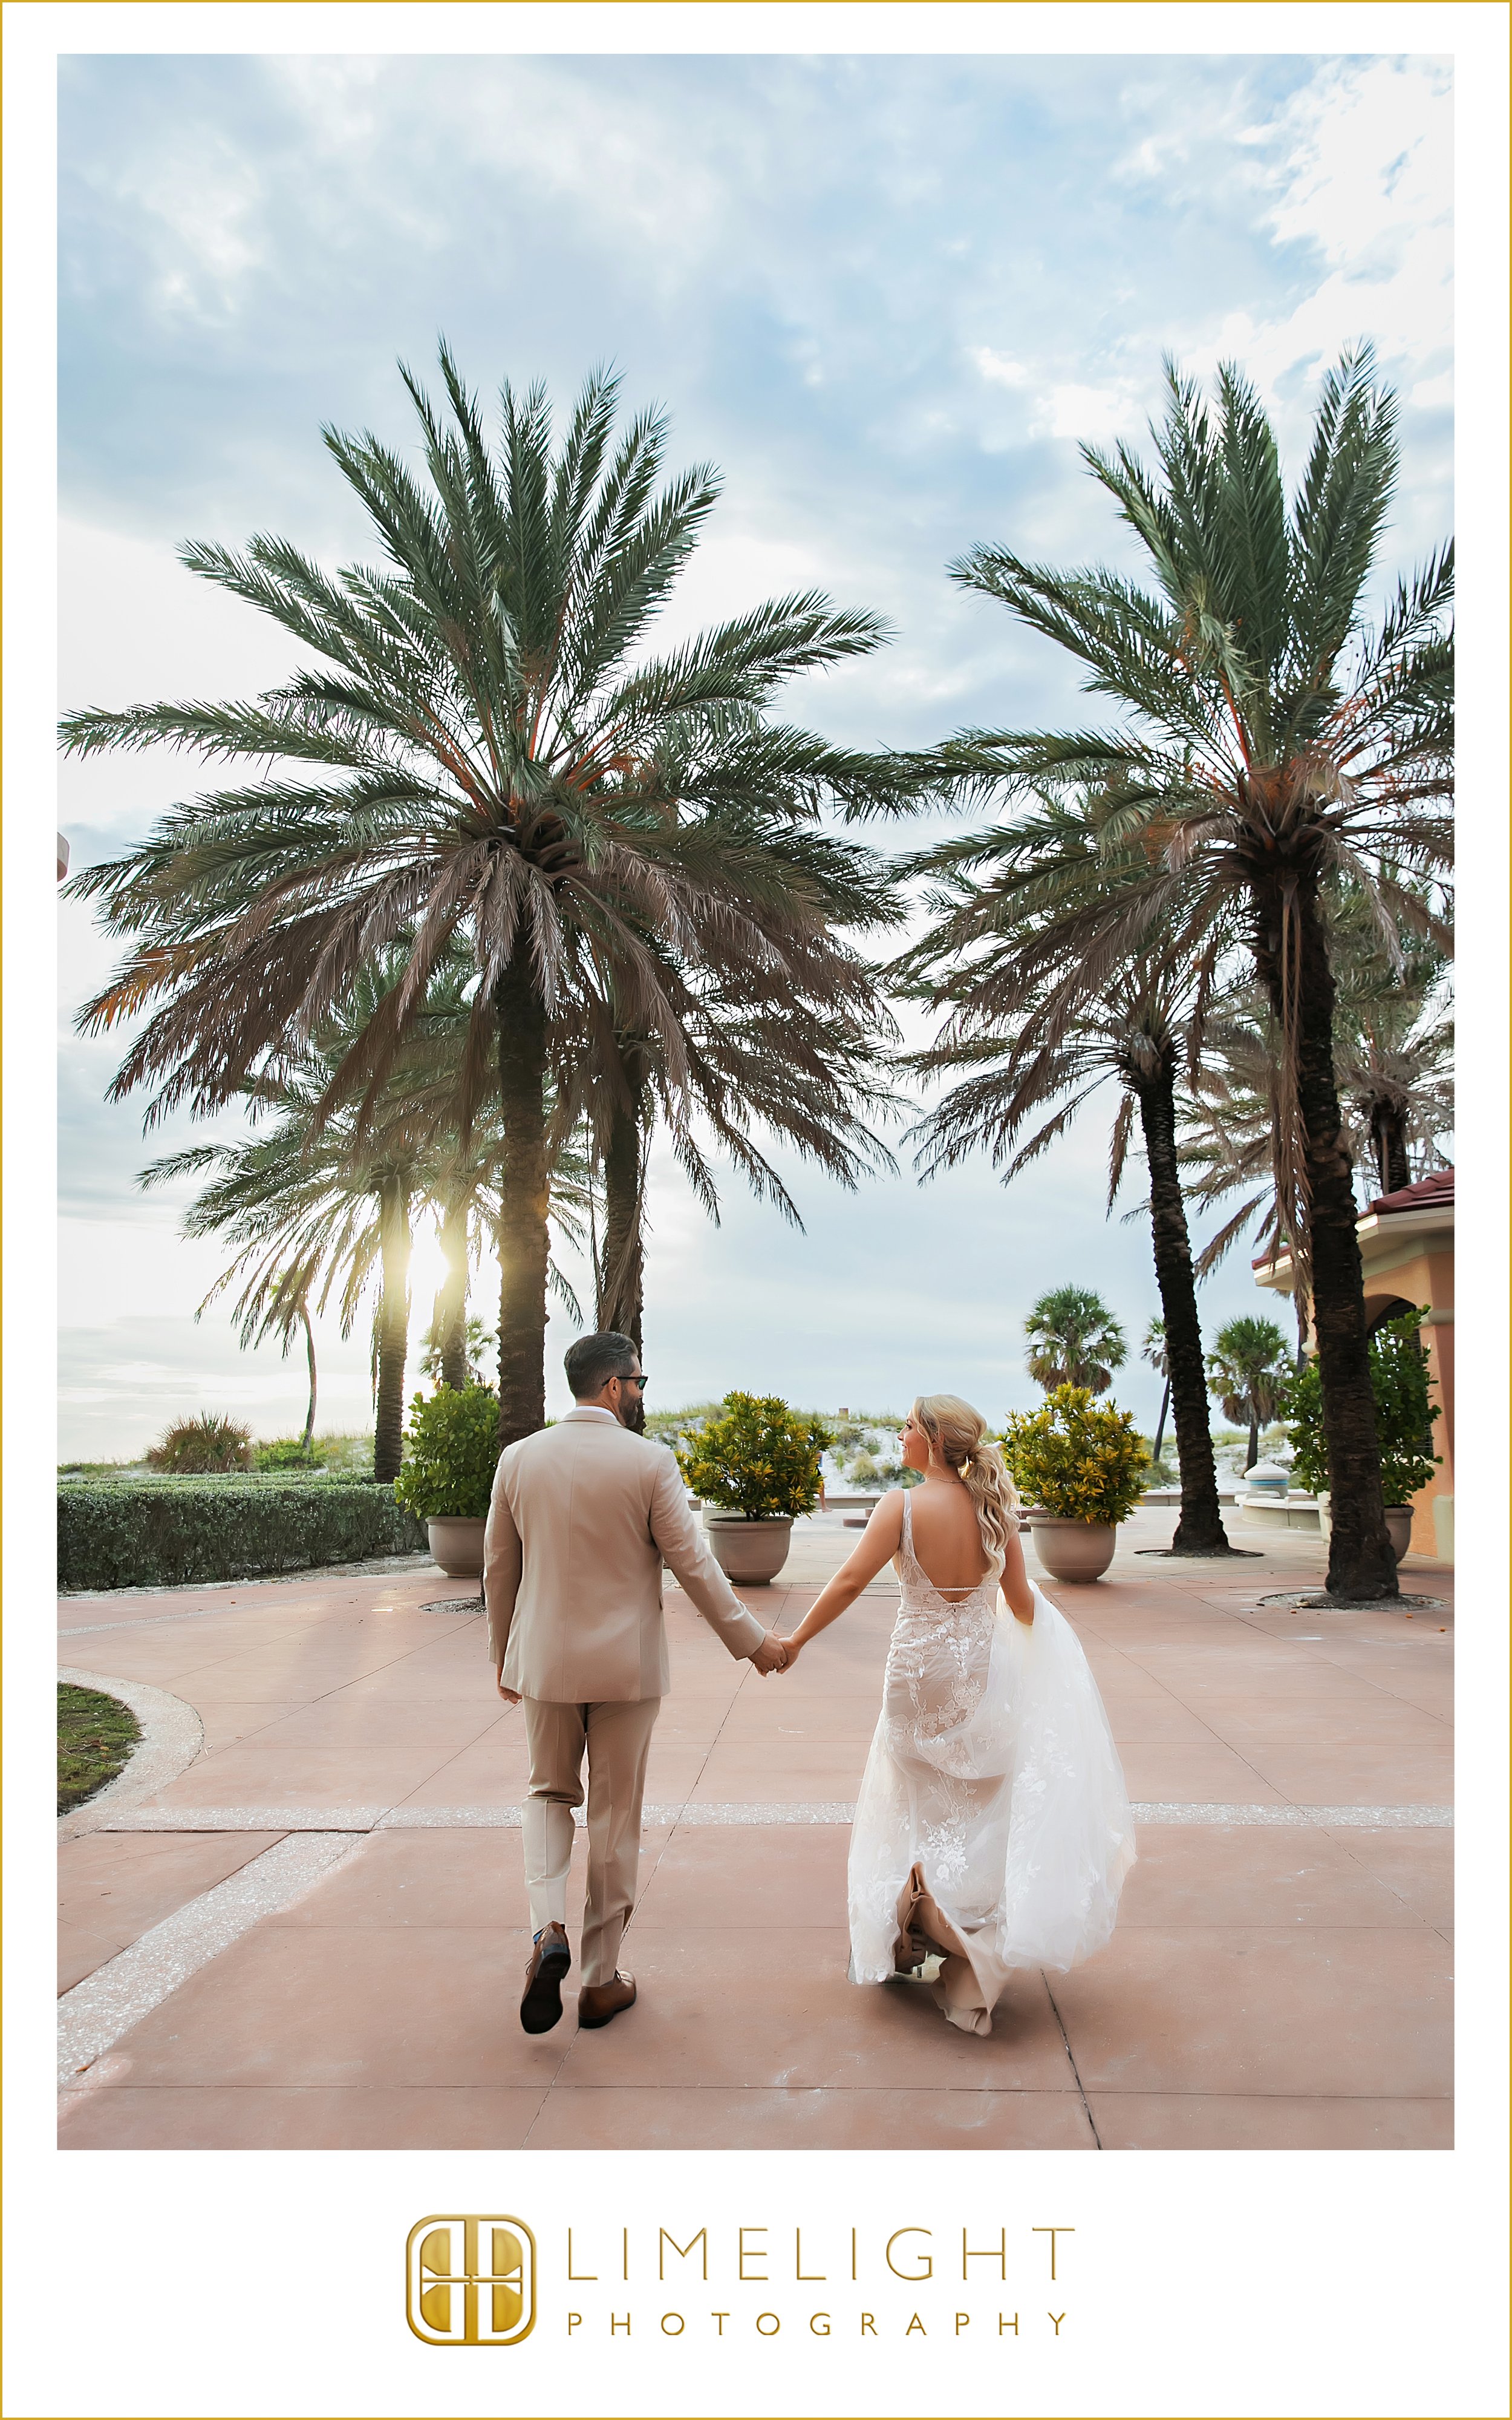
598	2002
541	2006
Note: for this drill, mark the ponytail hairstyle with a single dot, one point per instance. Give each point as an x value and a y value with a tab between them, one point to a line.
958	1436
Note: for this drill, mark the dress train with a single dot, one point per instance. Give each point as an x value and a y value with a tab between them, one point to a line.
992	1826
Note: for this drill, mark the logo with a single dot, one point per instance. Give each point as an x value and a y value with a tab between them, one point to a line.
470	2281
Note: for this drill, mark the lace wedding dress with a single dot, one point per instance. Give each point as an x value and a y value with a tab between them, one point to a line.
992	1826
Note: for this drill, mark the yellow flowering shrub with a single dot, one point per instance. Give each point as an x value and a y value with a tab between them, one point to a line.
1076	1458
757	1457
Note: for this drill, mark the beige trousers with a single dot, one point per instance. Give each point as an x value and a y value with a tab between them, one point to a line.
616	1733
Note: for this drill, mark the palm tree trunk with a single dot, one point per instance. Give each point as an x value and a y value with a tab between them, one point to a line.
394	1330
525	1180
1361	1565
622	1273
1199	1531
451	1320
1160	1424
308	1438
1388	1144
1254	1436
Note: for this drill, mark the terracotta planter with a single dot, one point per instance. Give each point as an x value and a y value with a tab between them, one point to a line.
1398	1524
1072	1550
749	1552
457	1545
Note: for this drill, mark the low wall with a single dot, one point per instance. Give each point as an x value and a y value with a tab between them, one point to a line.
1290	1512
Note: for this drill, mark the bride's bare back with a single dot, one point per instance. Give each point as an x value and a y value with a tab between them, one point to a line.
946	1538
947	1545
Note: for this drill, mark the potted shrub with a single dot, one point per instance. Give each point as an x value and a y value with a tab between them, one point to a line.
1080	1466
1404	1426
756	1466
451	1447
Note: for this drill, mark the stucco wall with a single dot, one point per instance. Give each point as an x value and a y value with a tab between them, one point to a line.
1422	1276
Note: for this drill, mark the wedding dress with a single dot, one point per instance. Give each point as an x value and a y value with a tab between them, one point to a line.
992	1826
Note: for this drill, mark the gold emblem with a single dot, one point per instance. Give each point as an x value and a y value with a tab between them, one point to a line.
471	2280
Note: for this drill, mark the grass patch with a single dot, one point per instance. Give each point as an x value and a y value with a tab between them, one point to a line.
96	1735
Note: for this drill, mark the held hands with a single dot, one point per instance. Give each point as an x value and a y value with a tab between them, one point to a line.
776	1654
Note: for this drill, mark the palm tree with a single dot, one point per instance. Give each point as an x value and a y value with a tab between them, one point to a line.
463	1170
1398	1097
468	1369
449	1317
804	1072
1230	1123
311	1197
306	1210
495	758
1248	1370
1395	1043
1153	1351
1075	1340
1394	1057
1271	738
308	1441
1041	1022
281	1308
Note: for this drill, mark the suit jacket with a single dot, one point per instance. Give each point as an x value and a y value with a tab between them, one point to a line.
582	1517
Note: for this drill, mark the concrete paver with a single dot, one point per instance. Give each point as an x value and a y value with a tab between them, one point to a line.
111	1888
1255	1878
1281	1987
1262	2008
1354	1776
706	2117
1416	1867
1228	2121
300	2119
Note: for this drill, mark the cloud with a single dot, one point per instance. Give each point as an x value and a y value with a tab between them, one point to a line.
1367	159
1089	413
998	368
1066	407
1359	167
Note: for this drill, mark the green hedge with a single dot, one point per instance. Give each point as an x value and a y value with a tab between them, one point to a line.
170	1533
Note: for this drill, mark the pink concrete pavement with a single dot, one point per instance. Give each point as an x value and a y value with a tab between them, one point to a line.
1277	1982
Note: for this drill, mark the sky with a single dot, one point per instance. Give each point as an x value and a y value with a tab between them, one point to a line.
888	296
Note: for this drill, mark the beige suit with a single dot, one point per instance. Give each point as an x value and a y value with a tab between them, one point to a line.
582	1518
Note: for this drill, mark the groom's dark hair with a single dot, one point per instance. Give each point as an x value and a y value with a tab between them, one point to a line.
594	1359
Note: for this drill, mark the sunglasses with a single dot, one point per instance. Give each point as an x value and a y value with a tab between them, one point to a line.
637	1379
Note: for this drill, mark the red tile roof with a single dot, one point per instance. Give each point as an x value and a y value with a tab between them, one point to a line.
1427	1194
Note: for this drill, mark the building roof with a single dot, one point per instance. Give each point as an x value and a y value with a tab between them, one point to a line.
1429	1193
1435	1192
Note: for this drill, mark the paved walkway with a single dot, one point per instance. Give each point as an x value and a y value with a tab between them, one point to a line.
312	1932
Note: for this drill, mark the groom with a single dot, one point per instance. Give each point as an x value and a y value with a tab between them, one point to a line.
583	1516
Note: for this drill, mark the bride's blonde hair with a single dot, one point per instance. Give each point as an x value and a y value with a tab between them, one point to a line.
958	1436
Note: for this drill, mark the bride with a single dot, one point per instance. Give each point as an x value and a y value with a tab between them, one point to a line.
992	1830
